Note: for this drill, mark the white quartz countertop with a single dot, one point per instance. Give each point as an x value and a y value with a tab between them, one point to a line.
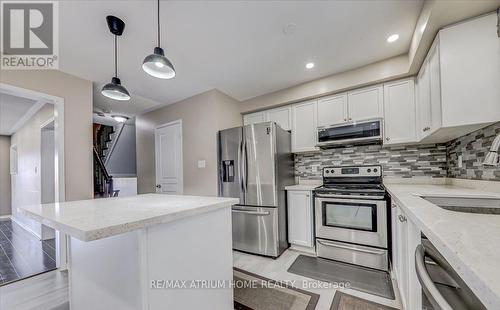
469	242
301	187
94	219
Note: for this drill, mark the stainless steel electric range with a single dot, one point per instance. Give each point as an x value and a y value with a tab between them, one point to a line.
351	216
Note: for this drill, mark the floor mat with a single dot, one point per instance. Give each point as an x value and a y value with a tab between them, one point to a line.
342	301
253	292
359	278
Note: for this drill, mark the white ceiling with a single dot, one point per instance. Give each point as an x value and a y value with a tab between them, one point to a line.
238	47
12	112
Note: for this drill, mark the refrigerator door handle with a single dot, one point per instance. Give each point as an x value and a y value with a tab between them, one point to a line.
244	181
240	169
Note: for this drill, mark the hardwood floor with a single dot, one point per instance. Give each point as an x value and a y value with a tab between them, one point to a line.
47	291
22	254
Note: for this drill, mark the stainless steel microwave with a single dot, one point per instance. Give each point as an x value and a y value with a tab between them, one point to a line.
352	133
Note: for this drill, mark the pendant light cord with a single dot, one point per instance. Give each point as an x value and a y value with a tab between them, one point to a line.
116	60
158	13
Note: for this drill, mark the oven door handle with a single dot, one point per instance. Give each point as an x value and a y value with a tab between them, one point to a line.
337	196
346	247
436	299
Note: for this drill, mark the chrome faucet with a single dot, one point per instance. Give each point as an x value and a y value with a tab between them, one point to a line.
491	158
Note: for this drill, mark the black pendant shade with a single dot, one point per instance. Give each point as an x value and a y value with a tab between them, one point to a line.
115	90
157	64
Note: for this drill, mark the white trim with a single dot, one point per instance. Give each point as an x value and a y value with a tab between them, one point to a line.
18	222
26	117
5	217
47	122
60	194
181	164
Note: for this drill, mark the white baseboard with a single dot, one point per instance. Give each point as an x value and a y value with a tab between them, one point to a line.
5	217
26	228
304	249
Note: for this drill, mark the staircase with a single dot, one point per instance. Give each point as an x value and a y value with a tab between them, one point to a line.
103	182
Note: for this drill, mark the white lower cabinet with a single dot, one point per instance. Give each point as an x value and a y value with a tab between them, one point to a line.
300	218
406	238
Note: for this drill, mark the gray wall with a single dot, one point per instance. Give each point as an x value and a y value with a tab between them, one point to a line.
473	148
5	207
401	161
122	162
202	116
77	95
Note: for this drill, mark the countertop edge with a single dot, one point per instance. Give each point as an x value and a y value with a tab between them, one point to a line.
110	231
489	297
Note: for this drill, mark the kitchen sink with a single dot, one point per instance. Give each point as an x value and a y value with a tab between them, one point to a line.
467	204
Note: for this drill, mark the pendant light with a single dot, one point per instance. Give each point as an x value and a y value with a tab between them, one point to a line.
115	90
157	64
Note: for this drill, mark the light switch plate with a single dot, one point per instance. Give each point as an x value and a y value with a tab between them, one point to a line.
202	163
314	168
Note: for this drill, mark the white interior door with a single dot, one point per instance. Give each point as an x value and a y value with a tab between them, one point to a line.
168	151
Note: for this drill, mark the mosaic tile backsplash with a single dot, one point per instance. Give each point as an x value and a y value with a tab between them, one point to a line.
473	148
402	161
436	160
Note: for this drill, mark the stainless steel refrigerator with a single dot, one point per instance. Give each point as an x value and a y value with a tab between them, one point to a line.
255	165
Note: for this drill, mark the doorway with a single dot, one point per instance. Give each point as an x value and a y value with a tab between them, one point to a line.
168	163
47	172
35	128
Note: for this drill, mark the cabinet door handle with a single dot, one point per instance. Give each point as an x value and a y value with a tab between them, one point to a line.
350	119
402	218
387	138
427	128
345	119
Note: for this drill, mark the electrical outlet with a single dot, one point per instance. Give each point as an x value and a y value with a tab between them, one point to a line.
460	163
202	164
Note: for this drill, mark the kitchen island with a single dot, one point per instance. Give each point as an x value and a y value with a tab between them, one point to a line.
142	252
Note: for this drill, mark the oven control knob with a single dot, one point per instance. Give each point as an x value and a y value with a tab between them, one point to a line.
327	171
369	170
375	170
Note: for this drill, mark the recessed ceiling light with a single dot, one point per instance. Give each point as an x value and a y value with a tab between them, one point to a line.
393	38
310	65
120	118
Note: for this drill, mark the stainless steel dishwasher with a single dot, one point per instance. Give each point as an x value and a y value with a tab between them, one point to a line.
442	287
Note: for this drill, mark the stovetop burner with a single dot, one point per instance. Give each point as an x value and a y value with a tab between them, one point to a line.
352	180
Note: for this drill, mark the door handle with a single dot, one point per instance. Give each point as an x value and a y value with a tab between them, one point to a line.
158	186
244	165
258	213
430	290
240	165
335	245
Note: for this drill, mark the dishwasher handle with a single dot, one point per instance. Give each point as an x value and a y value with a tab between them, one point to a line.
435	297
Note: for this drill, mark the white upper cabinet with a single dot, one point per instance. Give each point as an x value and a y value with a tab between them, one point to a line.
399	112
469	58
282	116
366	103
423	96
435	89
332	110
304	126
254	118
458	84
